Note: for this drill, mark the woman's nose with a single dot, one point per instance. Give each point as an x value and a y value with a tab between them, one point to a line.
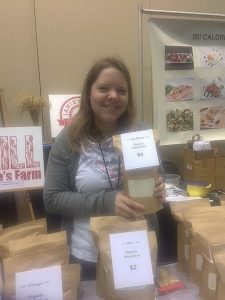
113	94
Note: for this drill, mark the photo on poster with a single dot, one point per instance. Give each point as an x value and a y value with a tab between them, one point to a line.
179	120
179	89
212	117
212	57
179	58
212	88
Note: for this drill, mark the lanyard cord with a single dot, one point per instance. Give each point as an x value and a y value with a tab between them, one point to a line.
110	182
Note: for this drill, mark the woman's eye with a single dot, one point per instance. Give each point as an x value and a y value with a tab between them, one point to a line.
122	92
103	89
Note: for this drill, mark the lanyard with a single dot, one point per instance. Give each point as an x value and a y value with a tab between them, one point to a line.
110	182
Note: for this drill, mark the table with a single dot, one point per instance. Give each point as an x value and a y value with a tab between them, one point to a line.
190	292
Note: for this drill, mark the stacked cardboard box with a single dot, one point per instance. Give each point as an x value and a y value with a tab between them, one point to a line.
220	172
200	165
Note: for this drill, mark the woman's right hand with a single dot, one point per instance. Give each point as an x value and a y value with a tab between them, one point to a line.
127	207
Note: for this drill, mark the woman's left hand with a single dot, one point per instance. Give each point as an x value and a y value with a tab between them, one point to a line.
160	189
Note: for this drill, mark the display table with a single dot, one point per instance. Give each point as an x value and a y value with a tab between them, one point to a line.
190	292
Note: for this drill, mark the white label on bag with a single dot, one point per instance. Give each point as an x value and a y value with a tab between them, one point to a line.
131	260
186	251
139	150
199	262
39	284
212	281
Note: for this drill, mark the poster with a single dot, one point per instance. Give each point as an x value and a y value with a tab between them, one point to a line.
21	158
188	67
62	109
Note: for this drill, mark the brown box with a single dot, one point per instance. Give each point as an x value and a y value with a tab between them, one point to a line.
220	172
199	155
199	165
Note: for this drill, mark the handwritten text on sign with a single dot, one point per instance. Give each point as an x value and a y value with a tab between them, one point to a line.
41	284
131	259
139	150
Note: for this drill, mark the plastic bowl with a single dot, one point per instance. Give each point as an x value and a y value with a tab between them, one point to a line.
198	190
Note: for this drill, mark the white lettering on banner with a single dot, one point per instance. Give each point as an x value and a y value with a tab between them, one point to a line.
131	259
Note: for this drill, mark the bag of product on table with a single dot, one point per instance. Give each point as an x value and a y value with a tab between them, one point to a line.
31	253
139	184
8	234
102	227
199	236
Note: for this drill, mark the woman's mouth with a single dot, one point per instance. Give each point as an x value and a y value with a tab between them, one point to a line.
110	107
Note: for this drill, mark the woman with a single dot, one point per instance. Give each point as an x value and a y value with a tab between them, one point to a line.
83	176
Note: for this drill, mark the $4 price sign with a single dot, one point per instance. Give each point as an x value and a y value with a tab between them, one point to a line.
139	150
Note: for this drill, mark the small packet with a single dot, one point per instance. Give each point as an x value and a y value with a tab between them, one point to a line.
167	281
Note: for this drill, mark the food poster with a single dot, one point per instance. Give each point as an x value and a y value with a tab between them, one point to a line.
178	58
62	110
179	89
188	75
212	117
179	120
212	88
212	57
21	158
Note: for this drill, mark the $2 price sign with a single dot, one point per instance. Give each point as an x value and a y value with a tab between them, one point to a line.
131	259
133	267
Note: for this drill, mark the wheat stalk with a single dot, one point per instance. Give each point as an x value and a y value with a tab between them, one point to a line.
31	104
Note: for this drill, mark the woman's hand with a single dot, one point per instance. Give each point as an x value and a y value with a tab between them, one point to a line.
160	189
127	207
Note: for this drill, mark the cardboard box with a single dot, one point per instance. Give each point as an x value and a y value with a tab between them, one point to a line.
220	172
200	165
199	155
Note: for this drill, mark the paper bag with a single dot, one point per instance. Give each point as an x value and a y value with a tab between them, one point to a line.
31	253
138	184
32	228
101	230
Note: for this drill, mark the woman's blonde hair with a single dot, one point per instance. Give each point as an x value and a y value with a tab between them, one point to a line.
83	127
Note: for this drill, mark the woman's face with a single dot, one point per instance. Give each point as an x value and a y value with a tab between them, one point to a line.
109	98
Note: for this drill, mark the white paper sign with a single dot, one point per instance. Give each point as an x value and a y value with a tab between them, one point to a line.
62	109
21	158
40	284
139	150
131	260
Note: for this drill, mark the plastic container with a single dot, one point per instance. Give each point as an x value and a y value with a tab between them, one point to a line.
195	190
173	179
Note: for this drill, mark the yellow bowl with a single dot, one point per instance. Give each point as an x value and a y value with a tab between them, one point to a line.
198	191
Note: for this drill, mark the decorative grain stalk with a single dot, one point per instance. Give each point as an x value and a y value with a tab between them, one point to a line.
32	104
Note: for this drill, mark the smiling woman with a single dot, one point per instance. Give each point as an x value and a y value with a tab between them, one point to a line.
83	176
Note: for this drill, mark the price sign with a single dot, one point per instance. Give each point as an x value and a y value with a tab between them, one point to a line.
139	150
41	284
131	259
